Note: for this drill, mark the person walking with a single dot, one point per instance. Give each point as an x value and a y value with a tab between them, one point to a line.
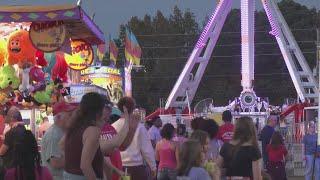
167	154
52	155
277	153
265	137
312	153
44	126
26	160
15	133
241	156
203	138
137	145
225	132
113	170
154	131
181	134
82	145
212	128
191	161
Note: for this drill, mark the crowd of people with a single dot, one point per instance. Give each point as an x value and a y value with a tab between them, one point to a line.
93	140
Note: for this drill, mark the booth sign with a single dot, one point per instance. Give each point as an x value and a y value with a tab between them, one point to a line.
82	55
48	36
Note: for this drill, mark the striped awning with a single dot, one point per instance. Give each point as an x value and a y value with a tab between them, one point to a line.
79	24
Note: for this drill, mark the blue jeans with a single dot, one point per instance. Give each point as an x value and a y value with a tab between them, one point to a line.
265	159
167	174
309	167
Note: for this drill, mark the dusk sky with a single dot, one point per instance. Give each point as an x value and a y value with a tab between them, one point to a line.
111	13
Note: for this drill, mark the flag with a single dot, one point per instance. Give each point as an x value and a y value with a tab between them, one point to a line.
101	50
132	49
113	51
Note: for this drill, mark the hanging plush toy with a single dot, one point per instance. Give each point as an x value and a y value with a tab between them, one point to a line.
60	69
8	82
51	59
21	52
40	59
25	79
37	75
20	49
17	97
44	97
8	77
3	52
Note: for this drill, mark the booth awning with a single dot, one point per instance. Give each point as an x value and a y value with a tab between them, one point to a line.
79	24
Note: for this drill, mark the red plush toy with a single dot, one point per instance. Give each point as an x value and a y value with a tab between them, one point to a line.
60	69
41	61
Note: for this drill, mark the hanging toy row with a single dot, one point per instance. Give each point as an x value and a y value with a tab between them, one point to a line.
28	76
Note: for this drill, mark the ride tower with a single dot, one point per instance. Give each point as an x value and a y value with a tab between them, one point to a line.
187	84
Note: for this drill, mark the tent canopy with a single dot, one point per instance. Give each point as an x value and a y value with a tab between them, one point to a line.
79	24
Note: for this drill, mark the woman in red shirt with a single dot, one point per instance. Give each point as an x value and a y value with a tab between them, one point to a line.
277	153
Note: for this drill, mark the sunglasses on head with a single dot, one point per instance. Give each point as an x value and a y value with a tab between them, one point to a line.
108	105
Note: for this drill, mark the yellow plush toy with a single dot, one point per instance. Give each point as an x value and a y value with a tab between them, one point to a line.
3	52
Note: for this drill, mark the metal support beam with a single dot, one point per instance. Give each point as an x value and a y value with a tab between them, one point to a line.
199	58
297	65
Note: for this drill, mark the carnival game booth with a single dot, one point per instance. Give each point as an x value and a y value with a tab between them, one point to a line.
42	51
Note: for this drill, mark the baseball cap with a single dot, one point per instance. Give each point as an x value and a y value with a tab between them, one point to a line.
62	107
13	114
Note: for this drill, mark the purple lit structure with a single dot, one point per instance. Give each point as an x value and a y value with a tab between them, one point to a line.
186	86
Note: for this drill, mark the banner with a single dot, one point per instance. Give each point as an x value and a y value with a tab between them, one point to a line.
132	49
113	51
101	50
77	91
105	77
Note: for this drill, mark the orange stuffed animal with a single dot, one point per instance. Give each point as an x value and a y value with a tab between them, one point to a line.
20	49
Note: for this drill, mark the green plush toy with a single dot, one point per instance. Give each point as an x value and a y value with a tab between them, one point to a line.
44	97
8	77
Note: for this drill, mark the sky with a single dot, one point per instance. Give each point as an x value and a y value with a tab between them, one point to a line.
109	14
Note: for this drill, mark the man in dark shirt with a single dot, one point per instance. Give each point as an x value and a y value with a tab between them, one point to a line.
15	134
266	134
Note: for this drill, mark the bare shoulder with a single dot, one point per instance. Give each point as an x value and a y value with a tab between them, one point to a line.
91	132
118	123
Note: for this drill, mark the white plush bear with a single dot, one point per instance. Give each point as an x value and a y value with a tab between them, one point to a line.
25	80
